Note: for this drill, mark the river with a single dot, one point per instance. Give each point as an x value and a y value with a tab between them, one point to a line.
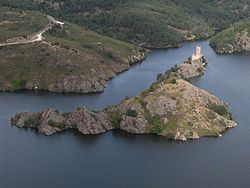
117	159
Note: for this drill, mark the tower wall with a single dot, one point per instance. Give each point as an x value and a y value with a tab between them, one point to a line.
197	54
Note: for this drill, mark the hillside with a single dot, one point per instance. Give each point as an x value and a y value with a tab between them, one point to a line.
148	23
171	107
68	59
236	38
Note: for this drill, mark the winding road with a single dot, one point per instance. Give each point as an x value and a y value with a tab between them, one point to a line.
36	37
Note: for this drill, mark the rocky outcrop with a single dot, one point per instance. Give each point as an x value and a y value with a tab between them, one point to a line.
137	56
171	107
51	121
191	68
89	122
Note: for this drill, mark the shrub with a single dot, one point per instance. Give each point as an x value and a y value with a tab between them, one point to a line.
131	113
173	98
115	120
173	81
51	123
170	136
19	84
222	122
220	109
174	69
33	121
159	76
143	103
126	98
199	69
110	55
156	122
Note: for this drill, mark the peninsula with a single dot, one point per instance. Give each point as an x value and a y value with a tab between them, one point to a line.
236	38
39	52
172	107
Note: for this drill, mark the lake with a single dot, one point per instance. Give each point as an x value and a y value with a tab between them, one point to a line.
117	159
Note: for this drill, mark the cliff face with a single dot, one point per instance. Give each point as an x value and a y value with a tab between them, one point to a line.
171	107
51	121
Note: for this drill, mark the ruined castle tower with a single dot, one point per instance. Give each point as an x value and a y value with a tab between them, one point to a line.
197	54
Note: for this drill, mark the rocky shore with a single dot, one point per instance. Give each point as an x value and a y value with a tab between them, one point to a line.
172	107
61	75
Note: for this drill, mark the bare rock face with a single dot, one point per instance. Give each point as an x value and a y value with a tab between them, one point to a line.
192	68
137	56
79	84
133	125
52	121
132	117
184	135
160	105
89	122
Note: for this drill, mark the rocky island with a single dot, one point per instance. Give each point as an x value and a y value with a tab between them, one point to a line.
172	107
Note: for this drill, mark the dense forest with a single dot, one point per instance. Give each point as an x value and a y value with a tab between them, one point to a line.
148	23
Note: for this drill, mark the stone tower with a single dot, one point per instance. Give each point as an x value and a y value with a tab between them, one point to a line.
197	54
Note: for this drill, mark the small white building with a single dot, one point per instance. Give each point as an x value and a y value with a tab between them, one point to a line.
55	22
197	54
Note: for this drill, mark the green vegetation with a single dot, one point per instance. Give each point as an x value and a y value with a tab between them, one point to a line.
220	109
171	136
234	38
69	53
33	121
115	119
18	84
53	123
157	124
131	113
149	23
15	24
200	69
173	81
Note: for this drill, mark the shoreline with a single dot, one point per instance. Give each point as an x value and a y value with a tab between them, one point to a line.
131	114
145	53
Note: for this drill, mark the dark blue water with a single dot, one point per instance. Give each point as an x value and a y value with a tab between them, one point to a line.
117	159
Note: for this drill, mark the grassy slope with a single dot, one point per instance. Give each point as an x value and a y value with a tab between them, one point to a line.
233	38
19	25
71	51
146	22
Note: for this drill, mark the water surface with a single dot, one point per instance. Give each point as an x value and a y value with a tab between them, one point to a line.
117	159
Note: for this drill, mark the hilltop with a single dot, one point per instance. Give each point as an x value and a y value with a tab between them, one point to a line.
236	38
147	23
172	107
67	59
